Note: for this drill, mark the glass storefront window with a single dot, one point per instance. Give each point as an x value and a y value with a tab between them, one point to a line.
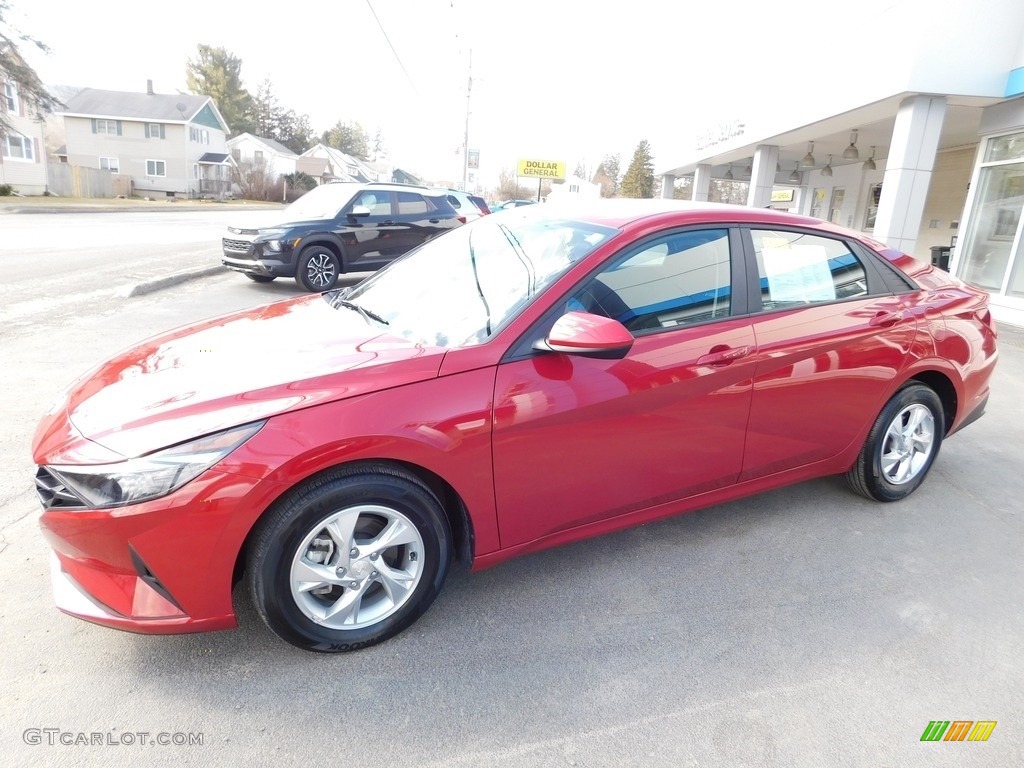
994	224
1005	148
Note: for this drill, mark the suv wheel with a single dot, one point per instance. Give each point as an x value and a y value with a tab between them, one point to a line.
318	269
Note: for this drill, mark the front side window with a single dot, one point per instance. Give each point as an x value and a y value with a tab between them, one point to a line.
156	168
110	164
678	279
796	269
378	201
11	97
18	147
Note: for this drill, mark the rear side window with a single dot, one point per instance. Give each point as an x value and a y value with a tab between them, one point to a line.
797	268
409	204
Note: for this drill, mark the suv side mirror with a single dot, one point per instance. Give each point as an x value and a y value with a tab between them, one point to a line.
359	211
581	333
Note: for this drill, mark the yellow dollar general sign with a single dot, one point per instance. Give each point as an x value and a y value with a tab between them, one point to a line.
545	169
958	730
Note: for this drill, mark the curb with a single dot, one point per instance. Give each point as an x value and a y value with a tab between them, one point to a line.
151	286
10	209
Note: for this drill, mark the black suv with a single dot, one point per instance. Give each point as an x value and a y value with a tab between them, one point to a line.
340	227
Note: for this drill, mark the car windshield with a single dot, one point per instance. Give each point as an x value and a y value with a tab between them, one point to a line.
322	202
460	288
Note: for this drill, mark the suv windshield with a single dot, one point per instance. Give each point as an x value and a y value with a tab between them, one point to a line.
458	289
322	202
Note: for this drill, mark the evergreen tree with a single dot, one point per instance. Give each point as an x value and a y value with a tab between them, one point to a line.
639	178
350	138
218	74
30	87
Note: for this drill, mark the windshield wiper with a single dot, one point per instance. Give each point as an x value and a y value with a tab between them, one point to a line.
366	313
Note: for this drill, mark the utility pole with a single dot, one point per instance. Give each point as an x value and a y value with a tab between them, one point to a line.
465	145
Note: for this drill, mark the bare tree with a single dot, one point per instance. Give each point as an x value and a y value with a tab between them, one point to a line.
255	181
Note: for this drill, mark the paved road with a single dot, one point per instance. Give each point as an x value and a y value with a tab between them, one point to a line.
805	627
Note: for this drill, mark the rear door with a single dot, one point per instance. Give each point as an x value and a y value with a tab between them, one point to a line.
371	241
831	336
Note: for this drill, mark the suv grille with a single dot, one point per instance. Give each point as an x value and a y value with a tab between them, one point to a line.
53	493
242	246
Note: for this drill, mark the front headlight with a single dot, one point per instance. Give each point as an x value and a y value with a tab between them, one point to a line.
151	476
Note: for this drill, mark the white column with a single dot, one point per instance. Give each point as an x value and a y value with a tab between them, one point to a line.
701	182
668	186
908	171
762	176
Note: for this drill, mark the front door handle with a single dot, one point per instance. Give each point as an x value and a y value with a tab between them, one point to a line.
885	319
720	356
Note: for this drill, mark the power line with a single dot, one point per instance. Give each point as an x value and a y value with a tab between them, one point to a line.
392	47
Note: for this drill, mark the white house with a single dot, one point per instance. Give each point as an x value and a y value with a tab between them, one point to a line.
573	188
329	164
275	157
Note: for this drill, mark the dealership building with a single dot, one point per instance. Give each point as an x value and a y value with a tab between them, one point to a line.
909	127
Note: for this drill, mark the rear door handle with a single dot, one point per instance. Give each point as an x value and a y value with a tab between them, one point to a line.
719	357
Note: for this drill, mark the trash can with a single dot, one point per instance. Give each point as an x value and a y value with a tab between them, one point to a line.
940	256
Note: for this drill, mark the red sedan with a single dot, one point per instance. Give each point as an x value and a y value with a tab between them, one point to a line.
533	378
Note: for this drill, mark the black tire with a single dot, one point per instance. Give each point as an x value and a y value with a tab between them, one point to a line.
294	535
318	269
260	278
879	470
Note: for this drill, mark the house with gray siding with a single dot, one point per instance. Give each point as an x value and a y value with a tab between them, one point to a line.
171	145
22	149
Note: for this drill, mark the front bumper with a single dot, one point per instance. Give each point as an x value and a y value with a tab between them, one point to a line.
164	566
254	266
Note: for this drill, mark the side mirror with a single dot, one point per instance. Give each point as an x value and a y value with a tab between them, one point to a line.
581	333
359	211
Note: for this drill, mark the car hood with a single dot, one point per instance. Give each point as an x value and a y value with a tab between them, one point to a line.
278	220
223	372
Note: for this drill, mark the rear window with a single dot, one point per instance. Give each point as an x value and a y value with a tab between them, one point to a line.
480	203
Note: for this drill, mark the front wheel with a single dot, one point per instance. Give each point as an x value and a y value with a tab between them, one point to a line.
349	559
901	446
318	269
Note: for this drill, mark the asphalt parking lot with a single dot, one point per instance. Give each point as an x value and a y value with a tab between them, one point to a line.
803	627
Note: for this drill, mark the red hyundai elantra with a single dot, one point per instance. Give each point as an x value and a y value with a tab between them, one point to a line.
533	378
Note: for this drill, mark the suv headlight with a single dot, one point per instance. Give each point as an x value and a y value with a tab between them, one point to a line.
271	238
154	475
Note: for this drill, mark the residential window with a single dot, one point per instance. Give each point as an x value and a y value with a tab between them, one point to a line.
198	135
236	155
677	280
797	268
257	155
156	168
195	170
111	164
154	130
110	127
11	97
18	147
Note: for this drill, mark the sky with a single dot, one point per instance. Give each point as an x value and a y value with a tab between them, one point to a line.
558	80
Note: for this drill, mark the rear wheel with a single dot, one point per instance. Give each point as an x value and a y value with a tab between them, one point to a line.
350	559
901	446
318	269
260	278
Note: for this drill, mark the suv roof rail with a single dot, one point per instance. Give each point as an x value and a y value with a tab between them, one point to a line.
395	184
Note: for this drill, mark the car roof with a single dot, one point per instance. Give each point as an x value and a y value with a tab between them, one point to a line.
620	212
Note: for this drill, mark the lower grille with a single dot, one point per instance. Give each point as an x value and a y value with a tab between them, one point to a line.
53	494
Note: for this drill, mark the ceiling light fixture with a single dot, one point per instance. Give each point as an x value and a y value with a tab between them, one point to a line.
795	175
869	164
851	153
728	174
808	161
827	170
